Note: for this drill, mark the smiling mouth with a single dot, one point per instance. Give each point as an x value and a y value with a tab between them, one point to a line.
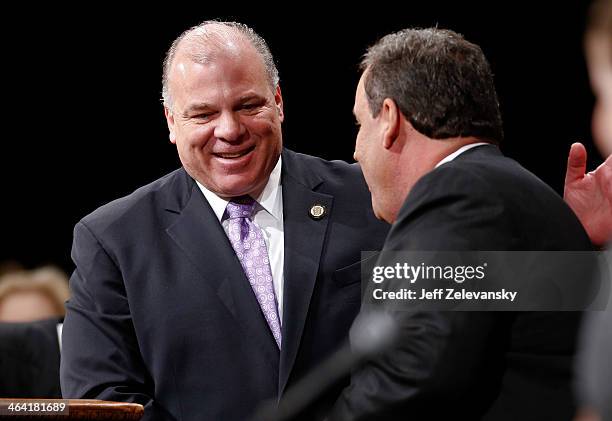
234	155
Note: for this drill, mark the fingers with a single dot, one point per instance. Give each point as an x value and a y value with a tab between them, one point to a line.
576	163
606	165
604	173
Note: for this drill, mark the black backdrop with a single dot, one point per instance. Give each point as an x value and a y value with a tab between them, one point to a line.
83	123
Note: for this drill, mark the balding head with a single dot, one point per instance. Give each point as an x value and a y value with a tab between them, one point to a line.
205	42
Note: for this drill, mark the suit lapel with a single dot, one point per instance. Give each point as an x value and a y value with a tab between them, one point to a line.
304	237
199	235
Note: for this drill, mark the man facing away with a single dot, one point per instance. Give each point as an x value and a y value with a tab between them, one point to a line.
429	125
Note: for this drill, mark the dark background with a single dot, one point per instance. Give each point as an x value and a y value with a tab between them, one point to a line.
83	123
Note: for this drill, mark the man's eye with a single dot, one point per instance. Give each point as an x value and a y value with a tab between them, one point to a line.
249	106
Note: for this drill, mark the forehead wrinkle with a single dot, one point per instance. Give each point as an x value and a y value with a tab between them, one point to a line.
208	45
205	45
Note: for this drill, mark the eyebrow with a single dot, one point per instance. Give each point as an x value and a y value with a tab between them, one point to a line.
250	97
202	106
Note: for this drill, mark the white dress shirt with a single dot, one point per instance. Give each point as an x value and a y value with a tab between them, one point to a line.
459	151
59	328
268	215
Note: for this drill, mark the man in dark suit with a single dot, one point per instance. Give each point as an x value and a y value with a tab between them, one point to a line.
214	288
429	125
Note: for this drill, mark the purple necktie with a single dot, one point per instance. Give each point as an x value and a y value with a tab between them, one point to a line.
248	243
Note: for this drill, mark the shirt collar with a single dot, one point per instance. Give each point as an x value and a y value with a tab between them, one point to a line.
270	200
459	151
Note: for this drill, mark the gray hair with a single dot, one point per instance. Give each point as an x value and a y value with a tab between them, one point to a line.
202	55
441	83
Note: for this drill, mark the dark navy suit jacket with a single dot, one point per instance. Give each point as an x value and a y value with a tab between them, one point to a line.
162	314
475	365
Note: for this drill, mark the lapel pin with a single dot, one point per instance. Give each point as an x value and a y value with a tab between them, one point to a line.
317	212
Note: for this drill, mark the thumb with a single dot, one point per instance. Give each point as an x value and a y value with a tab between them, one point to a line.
576	163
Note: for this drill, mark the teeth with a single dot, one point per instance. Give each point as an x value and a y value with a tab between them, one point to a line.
232	155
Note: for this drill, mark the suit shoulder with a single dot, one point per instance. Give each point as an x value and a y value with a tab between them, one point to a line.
336	165
334	173
494	176
492	192
139	202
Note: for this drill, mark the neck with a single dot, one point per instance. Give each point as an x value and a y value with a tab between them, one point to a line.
443	148
418	158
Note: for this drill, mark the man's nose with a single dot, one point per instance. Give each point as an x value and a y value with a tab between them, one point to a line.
229	128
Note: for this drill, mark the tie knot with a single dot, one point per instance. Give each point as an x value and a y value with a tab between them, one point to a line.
240	207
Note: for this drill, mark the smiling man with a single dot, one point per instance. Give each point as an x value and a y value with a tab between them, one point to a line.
216	287
224	115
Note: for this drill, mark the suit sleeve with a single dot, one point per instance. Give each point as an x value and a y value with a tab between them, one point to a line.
430	367
100	353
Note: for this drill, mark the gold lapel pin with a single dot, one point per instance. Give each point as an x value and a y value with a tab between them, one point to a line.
317	211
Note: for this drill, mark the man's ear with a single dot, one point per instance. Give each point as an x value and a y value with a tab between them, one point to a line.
278	100
390	118
170	121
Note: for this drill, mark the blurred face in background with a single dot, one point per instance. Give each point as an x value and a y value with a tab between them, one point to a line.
27	306
33	295
599	59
